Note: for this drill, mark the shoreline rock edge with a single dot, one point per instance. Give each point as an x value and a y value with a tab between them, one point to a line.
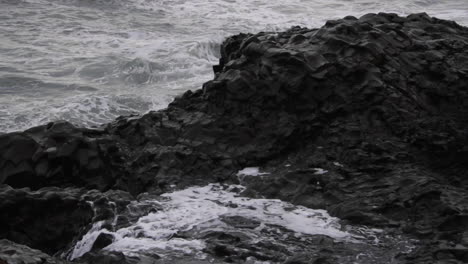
379	102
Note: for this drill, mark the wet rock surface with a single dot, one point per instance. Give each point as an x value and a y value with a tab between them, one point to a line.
50	218
13	253
365	118
46	219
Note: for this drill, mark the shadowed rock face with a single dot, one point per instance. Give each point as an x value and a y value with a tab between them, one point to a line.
57	154
379	102
48	219
12	253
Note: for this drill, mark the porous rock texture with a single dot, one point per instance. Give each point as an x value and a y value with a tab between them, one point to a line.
379	102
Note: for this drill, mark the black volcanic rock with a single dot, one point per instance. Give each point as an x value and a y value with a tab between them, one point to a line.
379	102
47	219
12	253
102	241
57	154
105	258
51	218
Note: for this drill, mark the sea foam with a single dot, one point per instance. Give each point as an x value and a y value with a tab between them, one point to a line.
202	209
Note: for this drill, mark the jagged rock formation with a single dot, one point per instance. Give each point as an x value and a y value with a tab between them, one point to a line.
380	102
47	219
12	253
50	218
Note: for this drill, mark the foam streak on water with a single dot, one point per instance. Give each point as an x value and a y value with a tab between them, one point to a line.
88	61
202	209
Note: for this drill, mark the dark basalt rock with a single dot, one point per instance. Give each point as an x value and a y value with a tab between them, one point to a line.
379	102
104	258
47	219
12	253
50	218
57	154
102	241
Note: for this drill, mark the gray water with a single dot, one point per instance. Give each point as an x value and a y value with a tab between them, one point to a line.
89	61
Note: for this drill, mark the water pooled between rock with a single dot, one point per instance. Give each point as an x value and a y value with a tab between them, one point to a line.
217	219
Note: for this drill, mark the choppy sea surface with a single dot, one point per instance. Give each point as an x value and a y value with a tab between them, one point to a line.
89	61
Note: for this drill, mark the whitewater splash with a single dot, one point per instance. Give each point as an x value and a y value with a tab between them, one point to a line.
184	219
89	61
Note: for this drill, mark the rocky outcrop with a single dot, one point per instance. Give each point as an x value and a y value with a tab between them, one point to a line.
57	154
379	102
12	253
50	218
47	219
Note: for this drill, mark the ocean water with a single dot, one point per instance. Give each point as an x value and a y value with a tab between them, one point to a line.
89	61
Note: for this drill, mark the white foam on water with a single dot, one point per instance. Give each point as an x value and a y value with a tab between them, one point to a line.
86	243
201	208
319	171
163	247
338	164
211	202
90	110
252	260
150	49
251	171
